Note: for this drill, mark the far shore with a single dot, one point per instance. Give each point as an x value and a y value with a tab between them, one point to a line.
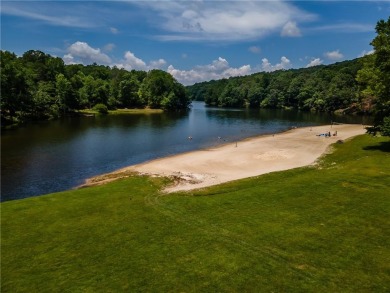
248	158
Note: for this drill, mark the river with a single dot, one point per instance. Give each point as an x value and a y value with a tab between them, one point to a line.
53	156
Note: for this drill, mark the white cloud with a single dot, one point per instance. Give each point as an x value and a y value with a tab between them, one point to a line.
223	20
315	62
68	59
131	62
81	52
158	64
43	12
268	67
217	69
334	55
254	49
290	29
364	53
344	28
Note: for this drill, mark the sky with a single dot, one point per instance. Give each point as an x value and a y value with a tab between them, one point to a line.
196	40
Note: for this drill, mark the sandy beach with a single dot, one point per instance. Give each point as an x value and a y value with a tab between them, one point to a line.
251	157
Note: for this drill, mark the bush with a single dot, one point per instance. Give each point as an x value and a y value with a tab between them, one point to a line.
101	108
385	127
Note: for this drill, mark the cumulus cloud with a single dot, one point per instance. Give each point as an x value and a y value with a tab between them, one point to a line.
224	20
81	52
268	67
131	62
314	62
290	29
217	69
68	59
254	49
160	63
334	55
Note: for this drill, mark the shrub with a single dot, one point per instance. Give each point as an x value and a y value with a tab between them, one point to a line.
101	108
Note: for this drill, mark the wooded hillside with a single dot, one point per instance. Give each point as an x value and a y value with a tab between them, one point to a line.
321	88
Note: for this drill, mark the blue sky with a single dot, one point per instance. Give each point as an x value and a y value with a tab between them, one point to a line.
194	40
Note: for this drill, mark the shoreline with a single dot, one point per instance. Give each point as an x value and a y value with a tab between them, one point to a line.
249	157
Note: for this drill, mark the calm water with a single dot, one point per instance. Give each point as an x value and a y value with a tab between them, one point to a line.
59	155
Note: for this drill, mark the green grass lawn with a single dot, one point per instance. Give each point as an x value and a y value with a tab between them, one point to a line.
314	229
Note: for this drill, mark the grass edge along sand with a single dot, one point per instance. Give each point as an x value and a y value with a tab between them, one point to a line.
323	229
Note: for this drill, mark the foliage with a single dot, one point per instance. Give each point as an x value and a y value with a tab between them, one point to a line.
305	230
320	88
374	77
160	89
39	86
101	108
385	127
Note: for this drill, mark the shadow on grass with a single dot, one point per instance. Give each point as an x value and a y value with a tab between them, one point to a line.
383	146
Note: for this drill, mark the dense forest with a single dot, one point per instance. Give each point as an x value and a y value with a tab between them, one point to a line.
38	86
321	88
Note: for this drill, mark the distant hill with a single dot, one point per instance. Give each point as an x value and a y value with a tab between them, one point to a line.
321	88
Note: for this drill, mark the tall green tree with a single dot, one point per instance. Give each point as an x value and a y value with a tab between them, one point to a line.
128	91
44	101
160	90
375	77
63	92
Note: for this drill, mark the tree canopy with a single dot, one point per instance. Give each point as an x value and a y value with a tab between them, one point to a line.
39	86
375	77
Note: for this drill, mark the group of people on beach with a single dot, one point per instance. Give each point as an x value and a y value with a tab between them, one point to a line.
328	134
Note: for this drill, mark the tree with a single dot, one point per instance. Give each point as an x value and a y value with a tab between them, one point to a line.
375	76
63	90
128	91
160	90
43	101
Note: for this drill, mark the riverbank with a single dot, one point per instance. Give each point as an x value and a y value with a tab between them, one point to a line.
251	157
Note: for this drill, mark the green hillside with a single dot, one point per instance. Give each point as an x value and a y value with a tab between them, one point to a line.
321	88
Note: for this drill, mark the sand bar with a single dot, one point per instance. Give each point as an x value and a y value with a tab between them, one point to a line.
251	157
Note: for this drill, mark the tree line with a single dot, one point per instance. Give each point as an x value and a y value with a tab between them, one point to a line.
320	88
38	86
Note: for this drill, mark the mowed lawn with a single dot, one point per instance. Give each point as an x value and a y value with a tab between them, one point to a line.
314	229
